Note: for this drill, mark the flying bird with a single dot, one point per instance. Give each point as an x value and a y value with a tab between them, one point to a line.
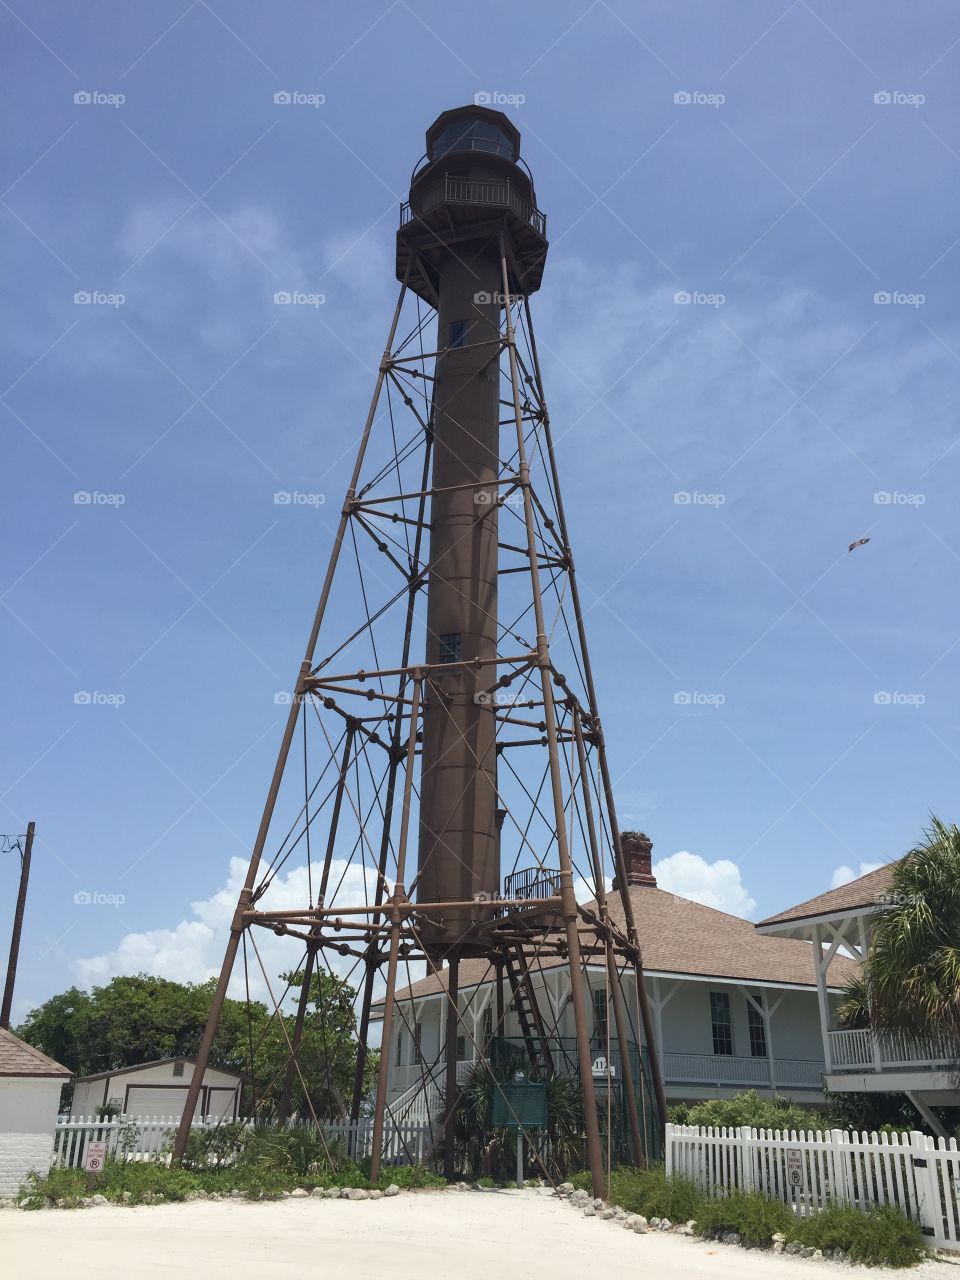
861	542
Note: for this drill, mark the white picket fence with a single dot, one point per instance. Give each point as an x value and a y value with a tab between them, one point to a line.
145	1138
918	1174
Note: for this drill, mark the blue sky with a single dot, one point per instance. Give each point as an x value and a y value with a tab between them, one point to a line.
775	708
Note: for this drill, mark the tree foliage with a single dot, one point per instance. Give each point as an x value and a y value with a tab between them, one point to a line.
911	977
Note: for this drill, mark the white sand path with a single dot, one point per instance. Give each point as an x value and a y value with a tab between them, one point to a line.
444	1235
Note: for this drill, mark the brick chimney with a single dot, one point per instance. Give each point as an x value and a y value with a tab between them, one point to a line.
638	855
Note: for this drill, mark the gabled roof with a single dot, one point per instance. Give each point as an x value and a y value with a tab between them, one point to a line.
17	1058
687	939
158	1062
863	894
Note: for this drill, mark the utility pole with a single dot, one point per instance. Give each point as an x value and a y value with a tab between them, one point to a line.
17	928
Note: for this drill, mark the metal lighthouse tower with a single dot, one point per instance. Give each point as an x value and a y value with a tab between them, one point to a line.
442	776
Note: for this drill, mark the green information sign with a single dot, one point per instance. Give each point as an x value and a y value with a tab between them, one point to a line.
519	1104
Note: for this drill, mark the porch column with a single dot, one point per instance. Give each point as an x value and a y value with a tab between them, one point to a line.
820	966
874	1038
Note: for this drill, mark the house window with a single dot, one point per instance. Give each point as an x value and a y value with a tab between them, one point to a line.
178	1068
417	1048
486	1034
758	1030
461	1048
398	1061
458	333
600	1016
449	650
721	1022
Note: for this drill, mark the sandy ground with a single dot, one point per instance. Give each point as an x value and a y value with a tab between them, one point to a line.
493	1235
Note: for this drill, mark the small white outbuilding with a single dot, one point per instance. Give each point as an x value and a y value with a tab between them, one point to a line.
158	1089
30	1085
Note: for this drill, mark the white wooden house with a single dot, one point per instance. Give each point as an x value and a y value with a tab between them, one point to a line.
158	1089
838	924
30	1087
732	1010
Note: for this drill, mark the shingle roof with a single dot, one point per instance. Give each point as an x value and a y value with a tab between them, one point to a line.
863	892
684	937
17	1058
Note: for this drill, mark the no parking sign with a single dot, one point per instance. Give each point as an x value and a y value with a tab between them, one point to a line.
794	1166
95	1157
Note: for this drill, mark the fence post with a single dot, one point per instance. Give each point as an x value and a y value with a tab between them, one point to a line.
927	1185
841	1175
745	1151
668	1149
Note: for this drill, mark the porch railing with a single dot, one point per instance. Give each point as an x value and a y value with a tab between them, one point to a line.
706	1068
497	193
861	1050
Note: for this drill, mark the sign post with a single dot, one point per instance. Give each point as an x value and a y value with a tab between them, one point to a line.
94	1158
519	1104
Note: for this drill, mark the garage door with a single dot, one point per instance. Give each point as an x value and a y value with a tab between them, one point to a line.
162	1103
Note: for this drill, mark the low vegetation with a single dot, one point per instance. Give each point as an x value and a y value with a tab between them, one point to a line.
261	1163
880	1236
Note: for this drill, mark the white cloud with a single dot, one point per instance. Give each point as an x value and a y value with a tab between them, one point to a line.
714	884
843	875
192	949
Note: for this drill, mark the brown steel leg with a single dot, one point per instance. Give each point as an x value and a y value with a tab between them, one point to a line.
453	1023
569	911
246	893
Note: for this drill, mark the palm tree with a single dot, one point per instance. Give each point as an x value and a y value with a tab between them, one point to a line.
911	976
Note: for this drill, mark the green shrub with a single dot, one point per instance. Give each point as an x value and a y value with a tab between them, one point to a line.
756	1218
751	1110
143	1177
650	1192
58	1184
414	1176
879	1237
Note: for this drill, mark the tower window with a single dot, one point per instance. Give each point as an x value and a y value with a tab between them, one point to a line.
721	1023
449	650
459	329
